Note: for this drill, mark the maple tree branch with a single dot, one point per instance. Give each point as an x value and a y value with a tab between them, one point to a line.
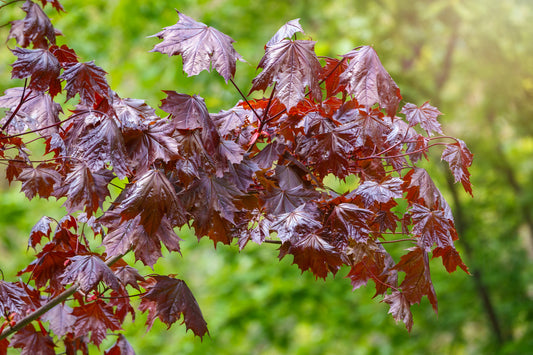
51	304
396	241
21	102
270	241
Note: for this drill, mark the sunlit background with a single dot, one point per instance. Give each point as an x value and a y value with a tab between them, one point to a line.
472	59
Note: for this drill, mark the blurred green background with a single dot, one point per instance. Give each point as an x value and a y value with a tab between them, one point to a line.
472	59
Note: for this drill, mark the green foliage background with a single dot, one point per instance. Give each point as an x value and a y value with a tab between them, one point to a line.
472	59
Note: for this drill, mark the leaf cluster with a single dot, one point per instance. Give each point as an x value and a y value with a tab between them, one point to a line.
256	172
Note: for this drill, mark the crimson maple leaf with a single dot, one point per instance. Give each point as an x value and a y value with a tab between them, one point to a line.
450	258
417	282
121	347
61	319
88	80
201	47
40	229
302	220
89	271
13	298
64	54
459	158
382	192
36	112
95	318
400	308
367	80
432	227
167	298
36	28
425	115
311	251
286	31
31	342
39	180
331	73
41	65
293	65
85	189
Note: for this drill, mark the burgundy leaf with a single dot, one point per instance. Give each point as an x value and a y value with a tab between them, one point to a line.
127	275
95	318
368	81
382	192
304	219
201	47
450	258
55	4
293	65
41	65
36	28
89	271
39	180
280	201
460	159
168	298
32	342
432	227
85	79
84	189
64	54
331	73
37	111
425	115
61	319
286	31
400	308
121	347
12	298
350	220
40	229
312	252
417	282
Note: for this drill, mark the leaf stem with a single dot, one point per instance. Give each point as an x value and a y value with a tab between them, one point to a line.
23	98
245	99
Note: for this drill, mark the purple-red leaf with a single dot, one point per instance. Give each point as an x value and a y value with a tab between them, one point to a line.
460	159
95	318
168	298
13	298
36	28
89	271
400	308
121	347
41	65
286	31
293	66
425	115
40	229
367	80
32	342
381	192
61	319
39	180
85	79
201	47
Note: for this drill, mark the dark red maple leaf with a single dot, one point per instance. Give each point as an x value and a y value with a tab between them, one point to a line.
48	266
127	274
61	319
292	65
350	220
167	298
85	79
367	80
84	189
37	111
150	142
201	47
95	318
421	188
459	158
330	74
55	4
328	153
286	31
31	342
41	65
400	308
88	271
417	282
121	347
64	54
432	227
99	143
13	298
39	180
425	115
450	258
4	344
40	229
283	200
381	192
189	112
36	28
302	220
133	113
153	197
312	252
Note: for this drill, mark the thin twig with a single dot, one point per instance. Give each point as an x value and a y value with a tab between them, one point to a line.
23	98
